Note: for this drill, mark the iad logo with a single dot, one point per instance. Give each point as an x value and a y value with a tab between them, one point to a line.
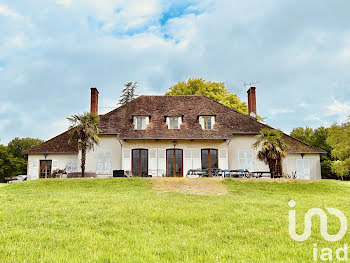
323	218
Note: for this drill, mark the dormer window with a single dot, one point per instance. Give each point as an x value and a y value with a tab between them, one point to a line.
141	119
207	123
174	123
174	119
141	123
207	119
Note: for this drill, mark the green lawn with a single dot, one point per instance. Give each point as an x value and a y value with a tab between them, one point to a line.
123	220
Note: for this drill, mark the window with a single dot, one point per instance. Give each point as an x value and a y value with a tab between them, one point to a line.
174	123
209	158
45	168
207	122
140	123
245	160
140	162
174	162
303	169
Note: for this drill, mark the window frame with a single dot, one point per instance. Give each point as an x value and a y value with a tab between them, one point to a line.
209	158
174	174
142	120
250	169
139	150
173	120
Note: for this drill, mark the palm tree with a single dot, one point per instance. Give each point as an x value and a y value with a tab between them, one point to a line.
272	148
84	131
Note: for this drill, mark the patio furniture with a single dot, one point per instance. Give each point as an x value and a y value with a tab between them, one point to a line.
259	174
226	173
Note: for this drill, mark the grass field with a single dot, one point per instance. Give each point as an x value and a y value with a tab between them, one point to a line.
126	220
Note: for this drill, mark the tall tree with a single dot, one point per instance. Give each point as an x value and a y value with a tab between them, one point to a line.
18	145
128	93
214	90
9	165
84	131
339	140
273	148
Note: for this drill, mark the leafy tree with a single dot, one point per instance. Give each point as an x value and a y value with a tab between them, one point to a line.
9	165
339	140
318	138
302	134
18	145
214	90
84	131
128	93
273	148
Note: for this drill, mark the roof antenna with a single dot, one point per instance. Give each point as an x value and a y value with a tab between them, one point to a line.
250	84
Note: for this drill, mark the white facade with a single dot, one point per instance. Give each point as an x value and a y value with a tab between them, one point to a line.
115	154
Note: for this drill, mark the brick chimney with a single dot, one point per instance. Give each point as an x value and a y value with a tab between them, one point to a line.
252	102
94	101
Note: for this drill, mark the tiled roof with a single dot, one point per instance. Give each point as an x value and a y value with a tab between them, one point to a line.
296	146
206	112
174	113
120	121
58	144
141	112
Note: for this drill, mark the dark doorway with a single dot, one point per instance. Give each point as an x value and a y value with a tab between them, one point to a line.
140	162
209	158
45	168
174	162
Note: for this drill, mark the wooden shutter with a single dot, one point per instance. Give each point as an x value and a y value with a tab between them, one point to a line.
107	162
100	162
196	159
161	162
126	159
245	160
35	170
54	165
223	159
187	160
300	169
152	162
306	169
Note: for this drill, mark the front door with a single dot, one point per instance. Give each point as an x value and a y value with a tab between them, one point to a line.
174	162
45	168
140	162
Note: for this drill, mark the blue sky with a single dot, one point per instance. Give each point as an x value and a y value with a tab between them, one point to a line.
53	51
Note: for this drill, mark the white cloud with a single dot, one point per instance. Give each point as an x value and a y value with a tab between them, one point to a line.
281	111
4	10
65	3
338	107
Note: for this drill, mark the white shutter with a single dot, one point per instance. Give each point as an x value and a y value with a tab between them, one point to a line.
161	162
35	170
306	169
126	159
223	159
107	162
201	121
187	160
303	169
212	122
54	165
196	159
100	162
152	162
245	160
300	169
